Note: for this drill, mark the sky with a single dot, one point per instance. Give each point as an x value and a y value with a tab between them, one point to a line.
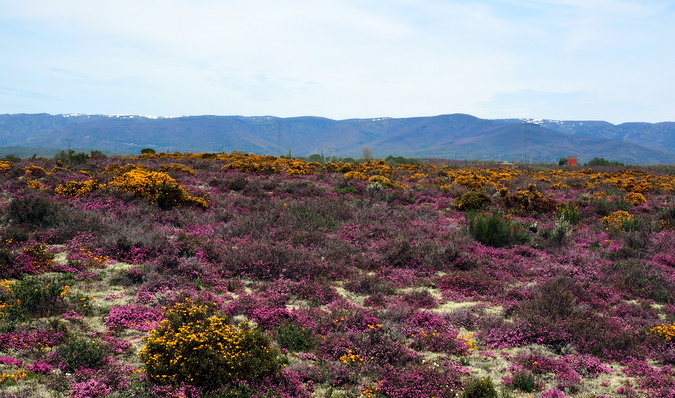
610	60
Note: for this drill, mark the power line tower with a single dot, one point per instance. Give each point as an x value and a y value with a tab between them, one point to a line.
329	150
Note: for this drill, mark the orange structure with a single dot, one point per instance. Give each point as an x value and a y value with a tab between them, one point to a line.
571	161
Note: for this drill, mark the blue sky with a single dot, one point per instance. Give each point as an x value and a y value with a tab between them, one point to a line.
557	59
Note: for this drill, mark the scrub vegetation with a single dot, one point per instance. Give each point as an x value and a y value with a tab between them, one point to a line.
233	275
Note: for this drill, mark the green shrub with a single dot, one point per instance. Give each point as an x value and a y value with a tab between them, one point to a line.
472	200
602	162
346	190
80	352
196	345
569	213
33	297
524	381
494	229
294	338
71	157
32	211
480	388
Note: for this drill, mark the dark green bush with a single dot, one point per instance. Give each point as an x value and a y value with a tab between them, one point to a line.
80	352
524	381
480	388
602	162
494	229
347	190
294	338
32	212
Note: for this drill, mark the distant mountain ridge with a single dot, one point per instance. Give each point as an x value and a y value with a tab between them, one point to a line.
453	136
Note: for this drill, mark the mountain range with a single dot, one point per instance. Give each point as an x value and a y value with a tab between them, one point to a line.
454	136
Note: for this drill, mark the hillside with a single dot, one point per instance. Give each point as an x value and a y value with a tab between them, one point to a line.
232	275
454	136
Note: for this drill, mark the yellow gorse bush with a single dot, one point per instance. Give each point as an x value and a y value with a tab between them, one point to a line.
667	331
615	220
76	188
635	198
355	175
19	375
351	358
440	177
379	181
156	187
35	171
35	184
176	168
197	345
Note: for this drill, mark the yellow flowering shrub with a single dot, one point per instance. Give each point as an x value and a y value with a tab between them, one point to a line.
5	165
76	188
19	375
118	169
472	180
667	331
381	182
350	358
177	168
635	198
472	200
6	295
355	175
615	220
35	184
196	345
156	187
33	296
35	171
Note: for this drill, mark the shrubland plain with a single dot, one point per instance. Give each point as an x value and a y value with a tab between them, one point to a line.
228	275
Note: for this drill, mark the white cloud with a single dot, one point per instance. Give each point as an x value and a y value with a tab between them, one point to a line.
337	59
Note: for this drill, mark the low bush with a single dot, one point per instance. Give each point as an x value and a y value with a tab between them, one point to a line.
480	388
295	338
156	187
32	212
494	229
80	352
472	200
569	213
196	345
32	297
524	381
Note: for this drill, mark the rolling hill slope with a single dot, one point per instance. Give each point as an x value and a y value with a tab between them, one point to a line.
456	136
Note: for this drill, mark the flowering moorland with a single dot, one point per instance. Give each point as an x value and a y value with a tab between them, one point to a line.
223	275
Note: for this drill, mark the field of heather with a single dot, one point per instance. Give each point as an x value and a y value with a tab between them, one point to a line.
217	275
